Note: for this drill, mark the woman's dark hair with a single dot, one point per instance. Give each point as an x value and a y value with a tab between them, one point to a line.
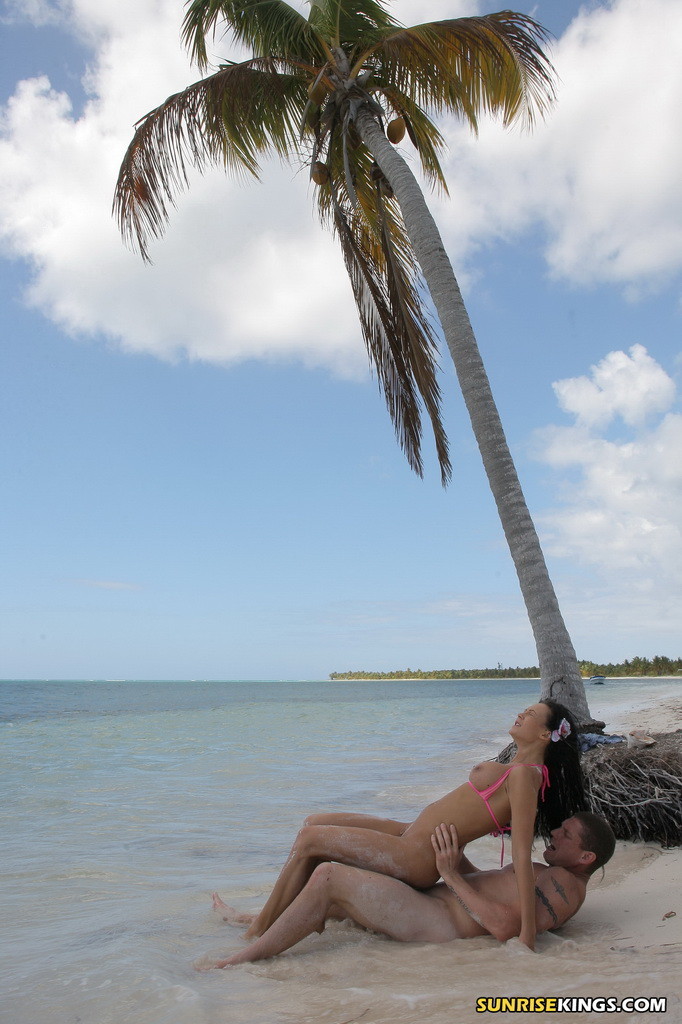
565	795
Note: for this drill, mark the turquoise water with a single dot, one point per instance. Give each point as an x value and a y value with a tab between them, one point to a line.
126	803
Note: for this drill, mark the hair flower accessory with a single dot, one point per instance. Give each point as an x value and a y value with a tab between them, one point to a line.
562	732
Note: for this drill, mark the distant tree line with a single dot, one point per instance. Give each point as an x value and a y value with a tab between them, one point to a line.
659	665
656	666
445	673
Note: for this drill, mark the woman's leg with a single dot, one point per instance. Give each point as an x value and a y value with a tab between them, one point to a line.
402	858
373	901
387	825
351	820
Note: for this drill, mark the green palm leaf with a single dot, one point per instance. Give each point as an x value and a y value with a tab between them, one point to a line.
468	66
352	24
381	332
270	28
231	118
414	331
423	134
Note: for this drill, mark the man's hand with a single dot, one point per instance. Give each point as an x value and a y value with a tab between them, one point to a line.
445	842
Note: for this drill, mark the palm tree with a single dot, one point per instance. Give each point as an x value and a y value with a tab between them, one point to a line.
331	91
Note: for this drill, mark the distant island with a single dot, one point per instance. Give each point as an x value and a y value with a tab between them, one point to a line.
656	666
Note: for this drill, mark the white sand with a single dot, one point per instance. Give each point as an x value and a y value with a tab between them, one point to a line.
648	878
661	715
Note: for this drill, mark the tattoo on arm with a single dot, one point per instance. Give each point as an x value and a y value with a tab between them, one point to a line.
469	911
560	889
548	906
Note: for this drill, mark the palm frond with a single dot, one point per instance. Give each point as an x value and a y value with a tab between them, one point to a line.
273	103
351	24
416	336
423	134
267	27
399	337
378	329
230	118
469	66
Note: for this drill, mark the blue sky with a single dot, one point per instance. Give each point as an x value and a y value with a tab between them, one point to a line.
200	479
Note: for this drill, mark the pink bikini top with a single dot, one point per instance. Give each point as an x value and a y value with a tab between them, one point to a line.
485	795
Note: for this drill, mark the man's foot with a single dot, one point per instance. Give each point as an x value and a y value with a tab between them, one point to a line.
229	914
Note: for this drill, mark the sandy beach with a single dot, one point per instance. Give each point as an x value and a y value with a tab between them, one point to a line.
625	942
643	883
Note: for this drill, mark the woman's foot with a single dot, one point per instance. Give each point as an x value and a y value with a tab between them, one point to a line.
232	961
229	914
207	963
211	965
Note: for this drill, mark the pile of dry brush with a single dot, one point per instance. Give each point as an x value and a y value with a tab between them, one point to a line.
638	790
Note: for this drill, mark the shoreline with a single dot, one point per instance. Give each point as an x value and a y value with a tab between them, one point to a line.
388	678
654	711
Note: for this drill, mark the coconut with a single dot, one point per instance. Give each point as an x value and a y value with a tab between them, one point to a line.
320	173
395	130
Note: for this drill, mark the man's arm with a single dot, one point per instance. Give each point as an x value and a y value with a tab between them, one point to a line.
557	894
558	897
501	921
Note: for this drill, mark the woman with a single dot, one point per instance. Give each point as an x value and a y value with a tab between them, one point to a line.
544	779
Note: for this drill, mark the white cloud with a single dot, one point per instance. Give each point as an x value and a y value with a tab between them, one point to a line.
617	525
414	12
632	386
601	175
622	511
246	271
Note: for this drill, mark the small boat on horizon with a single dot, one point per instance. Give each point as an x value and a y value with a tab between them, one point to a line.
598	680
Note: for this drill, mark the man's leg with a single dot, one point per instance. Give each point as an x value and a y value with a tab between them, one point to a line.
374	901
359	847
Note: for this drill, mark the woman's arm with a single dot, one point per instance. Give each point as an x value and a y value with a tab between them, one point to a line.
523	785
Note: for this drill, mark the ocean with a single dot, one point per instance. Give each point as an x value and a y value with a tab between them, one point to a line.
126	803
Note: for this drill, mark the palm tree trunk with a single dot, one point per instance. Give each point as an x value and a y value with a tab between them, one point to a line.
561	679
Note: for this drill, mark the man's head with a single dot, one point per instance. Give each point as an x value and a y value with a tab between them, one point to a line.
581	844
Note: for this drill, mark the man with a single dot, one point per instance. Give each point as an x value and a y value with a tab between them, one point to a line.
466	903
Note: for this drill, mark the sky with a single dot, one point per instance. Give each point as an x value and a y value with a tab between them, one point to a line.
199	476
